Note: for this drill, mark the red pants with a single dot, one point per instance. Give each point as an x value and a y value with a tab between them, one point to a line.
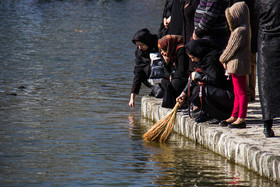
240	96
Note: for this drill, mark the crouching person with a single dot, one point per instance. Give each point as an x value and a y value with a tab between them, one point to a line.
209	89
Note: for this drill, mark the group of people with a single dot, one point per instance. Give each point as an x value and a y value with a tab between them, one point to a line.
209	51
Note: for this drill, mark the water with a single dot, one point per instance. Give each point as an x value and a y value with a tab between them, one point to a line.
66	69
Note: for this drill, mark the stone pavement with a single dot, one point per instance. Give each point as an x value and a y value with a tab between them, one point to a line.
248	147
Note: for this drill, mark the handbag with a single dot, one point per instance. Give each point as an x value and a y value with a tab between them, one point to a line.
157	91
201	86
157	67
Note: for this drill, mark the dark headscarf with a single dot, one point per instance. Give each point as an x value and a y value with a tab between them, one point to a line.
208	55
170	44
202	49
146	38
143	57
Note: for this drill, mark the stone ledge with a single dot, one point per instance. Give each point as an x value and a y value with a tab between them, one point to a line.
247	147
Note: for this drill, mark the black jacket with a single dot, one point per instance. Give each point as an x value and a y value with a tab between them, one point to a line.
142	60
269	57
181	68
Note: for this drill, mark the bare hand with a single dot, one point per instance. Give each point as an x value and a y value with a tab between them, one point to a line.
180	99
166	22
131	104
132	100
195	37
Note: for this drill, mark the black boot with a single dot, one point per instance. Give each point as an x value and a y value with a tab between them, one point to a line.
268	132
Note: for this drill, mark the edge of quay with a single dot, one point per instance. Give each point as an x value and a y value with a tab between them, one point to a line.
247	147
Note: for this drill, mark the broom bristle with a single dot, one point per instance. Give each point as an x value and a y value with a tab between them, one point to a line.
161	130
168	129
156	130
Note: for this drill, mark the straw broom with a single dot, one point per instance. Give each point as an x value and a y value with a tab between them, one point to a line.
161	130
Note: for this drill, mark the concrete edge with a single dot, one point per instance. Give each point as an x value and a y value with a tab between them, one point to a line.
230	146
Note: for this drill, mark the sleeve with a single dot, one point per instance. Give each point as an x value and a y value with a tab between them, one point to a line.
181	67
237	40
211	74
213	10
136	84
202	77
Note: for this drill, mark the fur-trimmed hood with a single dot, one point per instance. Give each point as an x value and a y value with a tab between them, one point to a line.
234	18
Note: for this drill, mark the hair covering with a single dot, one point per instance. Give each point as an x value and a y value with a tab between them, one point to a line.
208	55
146	38
201	49
235	15
170	44
143	57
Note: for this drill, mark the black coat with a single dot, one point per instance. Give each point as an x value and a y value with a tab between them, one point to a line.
142	60
165	14
177	18
269	57
179	73
189	11
217	94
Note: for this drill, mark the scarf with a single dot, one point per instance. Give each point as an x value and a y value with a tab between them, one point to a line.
170	44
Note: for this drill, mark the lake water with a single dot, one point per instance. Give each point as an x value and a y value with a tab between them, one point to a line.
66	68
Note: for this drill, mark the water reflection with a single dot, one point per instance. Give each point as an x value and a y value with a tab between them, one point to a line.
65	76
182	163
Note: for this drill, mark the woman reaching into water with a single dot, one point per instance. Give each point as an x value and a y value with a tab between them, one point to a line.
146	43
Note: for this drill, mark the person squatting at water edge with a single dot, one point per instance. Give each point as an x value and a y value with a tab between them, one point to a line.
146	44
268	65
235	59
177	68
217	92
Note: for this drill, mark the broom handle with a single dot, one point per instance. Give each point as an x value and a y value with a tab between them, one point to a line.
176	106
174	110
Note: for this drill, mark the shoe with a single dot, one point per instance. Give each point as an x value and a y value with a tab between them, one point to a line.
214	121
224	123
268	133
238	126
203	118
194	114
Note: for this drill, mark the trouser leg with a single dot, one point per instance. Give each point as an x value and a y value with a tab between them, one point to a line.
251	79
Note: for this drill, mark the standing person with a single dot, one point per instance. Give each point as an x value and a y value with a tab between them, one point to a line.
188	27
252	76
210	22
269	61
236	58
177	18
146	44
166	17
217	95
189	11
177	71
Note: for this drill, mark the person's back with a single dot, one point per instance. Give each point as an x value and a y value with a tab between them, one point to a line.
210	21
268	61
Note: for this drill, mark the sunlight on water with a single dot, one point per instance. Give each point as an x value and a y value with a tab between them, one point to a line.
66	69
